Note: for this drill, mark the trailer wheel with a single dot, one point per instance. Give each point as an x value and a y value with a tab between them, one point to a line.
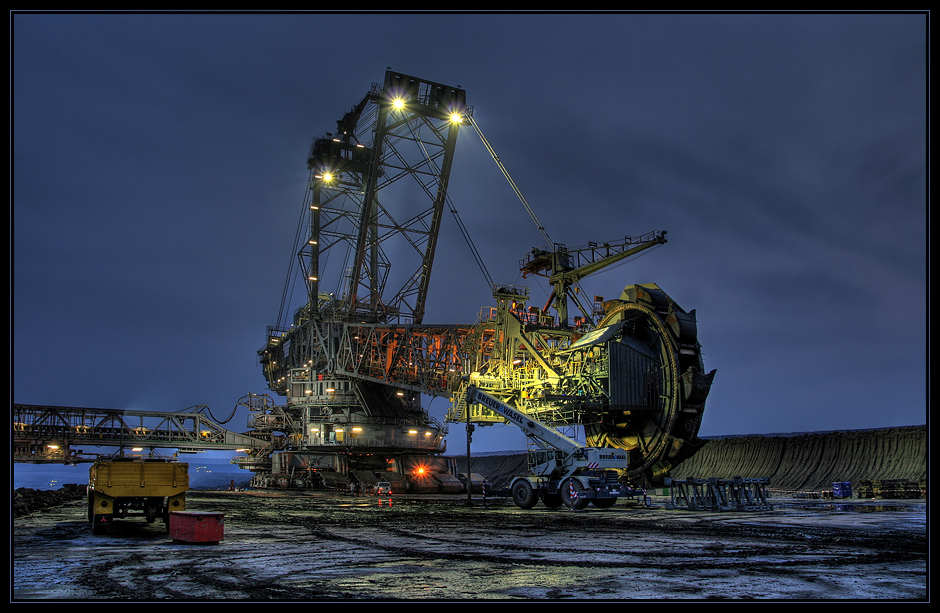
523	494
99	524
91	508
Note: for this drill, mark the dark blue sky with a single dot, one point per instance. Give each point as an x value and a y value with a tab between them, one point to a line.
159	163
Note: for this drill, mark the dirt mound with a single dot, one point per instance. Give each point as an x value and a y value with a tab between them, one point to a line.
27	500
813	461
798	462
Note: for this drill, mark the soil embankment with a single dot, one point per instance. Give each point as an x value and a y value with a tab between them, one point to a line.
27	500
798	462
813	461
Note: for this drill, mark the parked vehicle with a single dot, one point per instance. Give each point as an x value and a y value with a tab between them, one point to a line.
127	486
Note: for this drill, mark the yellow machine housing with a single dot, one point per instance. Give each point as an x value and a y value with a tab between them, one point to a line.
140	486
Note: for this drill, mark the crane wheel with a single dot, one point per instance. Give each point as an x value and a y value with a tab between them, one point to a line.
572	494
523	494
552	501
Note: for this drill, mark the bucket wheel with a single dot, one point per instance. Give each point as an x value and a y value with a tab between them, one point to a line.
657	383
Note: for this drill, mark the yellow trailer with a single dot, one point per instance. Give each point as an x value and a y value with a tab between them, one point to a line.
135	486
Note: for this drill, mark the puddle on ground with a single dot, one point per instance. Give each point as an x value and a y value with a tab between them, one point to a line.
875	508
848	507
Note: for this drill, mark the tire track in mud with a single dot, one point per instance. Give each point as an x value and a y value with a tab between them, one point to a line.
302	547
646	545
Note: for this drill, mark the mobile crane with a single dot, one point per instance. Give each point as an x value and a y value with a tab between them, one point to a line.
564	471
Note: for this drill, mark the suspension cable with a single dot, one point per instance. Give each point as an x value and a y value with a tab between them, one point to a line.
450	204
512	183
469	241
287	292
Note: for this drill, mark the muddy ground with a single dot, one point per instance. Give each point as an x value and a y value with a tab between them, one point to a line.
318	546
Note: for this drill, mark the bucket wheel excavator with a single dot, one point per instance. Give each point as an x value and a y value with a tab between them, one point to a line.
354	361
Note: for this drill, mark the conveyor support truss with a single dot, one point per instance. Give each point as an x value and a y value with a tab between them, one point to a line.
736	494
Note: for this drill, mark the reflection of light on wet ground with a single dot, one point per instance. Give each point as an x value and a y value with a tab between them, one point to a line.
864	508
851	507
366	503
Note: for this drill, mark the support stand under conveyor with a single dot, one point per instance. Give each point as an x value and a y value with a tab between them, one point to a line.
737	494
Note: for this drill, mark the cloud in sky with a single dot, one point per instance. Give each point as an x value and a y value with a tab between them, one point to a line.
159	167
